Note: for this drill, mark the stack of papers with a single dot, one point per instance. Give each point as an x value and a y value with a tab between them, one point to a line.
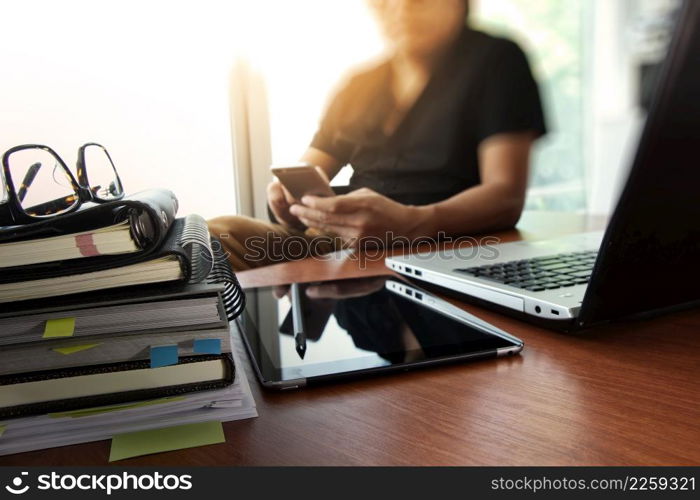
95	424
168	313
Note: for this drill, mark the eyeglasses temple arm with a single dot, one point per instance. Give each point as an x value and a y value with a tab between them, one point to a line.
28	180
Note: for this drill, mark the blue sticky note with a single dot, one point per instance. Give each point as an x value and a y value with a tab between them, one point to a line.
163	355
207	346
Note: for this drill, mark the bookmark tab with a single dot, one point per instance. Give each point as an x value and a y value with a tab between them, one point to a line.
135	444
163	355
86	244
207	346
73	349
3	428
59	327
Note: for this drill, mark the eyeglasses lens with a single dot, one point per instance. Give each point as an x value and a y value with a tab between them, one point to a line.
42	184
102	176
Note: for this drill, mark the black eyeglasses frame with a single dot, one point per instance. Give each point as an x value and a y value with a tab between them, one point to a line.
11	211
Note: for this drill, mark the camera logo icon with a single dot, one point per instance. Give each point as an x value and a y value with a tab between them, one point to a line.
16	488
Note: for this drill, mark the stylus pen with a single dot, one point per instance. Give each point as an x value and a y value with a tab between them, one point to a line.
298	321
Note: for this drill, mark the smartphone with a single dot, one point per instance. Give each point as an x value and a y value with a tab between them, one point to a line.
302	179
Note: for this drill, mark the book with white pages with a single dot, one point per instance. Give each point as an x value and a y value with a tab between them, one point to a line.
98	423
63	353
115	239
200	310
136	224
158	270
185	255
36	393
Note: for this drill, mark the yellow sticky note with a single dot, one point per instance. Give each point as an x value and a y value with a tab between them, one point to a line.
135	444
74	348
3	428
60	327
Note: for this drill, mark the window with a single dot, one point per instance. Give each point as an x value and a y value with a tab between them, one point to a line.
303	52
552	34
301	72
148	80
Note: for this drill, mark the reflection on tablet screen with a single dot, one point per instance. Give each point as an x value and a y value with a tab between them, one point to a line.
353	325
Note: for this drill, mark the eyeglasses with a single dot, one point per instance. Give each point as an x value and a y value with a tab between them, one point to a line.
47	187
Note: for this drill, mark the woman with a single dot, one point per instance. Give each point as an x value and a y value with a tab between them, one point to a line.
439	136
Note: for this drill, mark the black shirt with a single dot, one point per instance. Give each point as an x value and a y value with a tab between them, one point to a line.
482	87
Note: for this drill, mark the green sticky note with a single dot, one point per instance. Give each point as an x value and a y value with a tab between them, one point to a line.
74	348
3	428
60	327
135	444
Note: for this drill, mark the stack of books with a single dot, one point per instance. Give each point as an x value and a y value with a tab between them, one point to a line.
115	319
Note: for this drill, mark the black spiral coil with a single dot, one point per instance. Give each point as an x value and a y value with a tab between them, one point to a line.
221	273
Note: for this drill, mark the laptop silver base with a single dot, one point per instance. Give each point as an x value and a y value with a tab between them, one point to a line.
439	268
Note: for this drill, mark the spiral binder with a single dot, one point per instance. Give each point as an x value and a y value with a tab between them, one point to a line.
221	272
195	240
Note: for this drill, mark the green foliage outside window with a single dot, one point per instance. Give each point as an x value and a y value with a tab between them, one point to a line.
552	33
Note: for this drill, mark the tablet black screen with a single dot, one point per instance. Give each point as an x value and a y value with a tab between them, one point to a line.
353	326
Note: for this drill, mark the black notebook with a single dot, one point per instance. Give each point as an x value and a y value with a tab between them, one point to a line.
60	353
107	384
199	309
185	255
136	224
221	278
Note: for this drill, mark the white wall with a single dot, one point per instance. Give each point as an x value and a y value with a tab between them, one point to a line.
146	79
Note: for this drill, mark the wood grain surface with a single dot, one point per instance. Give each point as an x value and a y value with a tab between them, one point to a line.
627	394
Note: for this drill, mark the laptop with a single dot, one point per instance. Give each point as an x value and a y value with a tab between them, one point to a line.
648	259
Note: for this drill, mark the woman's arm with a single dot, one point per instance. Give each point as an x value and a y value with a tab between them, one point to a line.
328	164
494	204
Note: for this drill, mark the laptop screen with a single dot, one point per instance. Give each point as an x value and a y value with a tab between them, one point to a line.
649	256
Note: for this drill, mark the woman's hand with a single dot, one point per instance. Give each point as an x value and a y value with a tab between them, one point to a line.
361	217
280	200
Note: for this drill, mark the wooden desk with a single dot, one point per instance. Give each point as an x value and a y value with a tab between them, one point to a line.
622	395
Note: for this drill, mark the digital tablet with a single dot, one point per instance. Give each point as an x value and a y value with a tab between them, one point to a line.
307	333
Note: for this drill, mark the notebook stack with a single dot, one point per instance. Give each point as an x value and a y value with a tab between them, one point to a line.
115	319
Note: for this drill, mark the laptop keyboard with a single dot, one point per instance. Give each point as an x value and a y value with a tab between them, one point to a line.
540	273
